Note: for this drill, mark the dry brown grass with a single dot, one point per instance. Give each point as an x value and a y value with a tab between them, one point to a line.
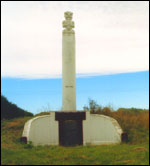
12	131
132	120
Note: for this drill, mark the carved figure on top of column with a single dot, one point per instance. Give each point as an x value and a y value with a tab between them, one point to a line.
68	24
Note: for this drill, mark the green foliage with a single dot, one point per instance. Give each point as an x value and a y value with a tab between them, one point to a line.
29	145
10	110
13	152
136	152
42	113
93	106
132	110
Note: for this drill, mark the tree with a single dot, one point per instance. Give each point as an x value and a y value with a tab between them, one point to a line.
93	106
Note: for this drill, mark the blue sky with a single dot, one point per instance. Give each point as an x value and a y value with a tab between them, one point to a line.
118	90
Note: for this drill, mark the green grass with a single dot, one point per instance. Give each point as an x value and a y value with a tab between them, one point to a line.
13	152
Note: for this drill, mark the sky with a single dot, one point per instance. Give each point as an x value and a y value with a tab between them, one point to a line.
112	52
111	37
118	90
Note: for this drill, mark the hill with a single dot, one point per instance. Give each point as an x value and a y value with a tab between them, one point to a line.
10	110
135	152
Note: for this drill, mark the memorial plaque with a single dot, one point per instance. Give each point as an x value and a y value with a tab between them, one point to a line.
71	133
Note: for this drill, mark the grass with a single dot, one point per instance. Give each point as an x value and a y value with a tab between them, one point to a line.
95	155
13	152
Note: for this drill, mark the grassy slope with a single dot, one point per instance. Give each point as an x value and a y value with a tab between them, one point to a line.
15	153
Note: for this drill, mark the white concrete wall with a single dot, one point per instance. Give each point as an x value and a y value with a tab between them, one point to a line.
97	130
100	129
43	130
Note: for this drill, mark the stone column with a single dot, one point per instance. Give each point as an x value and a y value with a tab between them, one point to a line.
68	64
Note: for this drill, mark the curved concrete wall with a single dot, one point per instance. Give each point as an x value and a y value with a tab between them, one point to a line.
42	130
97	129
100	129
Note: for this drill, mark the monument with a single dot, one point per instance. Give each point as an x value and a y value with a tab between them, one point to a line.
69	127
68	65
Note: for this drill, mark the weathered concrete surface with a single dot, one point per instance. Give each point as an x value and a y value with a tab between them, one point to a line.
68	65
97	130
100	129
42	130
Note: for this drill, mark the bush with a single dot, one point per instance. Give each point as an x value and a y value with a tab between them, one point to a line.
93	107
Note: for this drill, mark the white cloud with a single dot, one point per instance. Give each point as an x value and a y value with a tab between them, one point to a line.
111	37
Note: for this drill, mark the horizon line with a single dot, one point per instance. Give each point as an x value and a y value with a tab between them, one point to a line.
78	75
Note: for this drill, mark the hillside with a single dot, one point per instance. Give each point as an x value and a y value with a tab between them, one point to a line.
135	152
10	110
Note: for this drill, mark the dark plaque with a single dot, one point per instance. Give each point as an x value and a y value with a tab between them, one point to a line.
71	133
70	128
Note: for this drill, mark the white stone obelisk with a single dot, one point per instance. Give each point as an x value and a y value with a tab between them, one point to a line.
68	64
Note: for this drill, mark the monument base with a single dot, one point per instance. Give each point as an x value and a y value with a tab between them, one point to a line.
72	128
